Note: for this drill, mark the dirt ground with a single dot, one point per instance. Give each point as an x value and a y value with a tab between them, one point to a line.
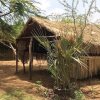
42	83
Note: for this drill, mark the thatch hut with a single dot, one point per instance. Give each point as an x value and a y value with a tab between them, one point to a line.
27	46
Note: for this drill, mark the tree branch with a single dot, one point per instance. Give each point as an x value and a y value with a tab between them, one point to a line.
5	14
14	50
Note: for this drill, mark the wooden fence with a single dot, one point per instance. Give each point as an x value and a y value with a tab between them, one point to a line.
91	68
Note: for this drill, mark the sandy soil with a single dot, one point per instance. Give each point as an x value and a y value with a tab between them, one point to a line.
9	80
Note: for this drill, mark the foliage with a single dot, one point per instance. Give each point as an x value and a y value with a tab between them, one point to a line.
12	16
79	95
80	20
8	32
15	94
39	82
61	56
18	9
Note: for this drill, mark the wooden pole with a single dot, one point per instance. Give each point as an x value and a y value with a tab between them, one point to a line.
30	59
16	57
24	69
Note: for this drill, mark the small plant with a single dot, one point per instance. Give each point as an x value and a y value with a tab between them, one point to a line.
62	55
79	95
39	82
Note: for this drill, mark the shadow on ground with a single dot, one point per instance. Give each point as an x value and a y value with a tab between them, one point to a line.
42	77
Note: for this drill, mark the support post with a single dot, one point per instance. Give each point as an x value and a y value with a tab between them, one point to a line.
16	57
24	69
30	59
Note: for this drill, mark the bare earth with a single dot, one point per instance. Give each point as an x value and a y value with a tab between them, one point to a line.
9	80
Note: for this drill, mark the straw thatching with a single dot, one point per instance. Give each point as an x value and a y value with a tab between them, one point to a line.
51	29
44	27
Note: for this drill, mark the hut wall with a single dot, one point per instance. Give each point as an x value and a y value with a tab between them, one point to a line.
92	50
91	69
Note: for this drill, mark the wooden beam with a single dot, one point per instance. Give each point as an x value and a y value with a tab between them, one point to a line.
29	37
40	36
30	59
16	58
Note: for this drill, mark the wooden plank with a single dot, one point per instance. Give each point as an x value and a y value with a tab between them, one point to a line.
93	66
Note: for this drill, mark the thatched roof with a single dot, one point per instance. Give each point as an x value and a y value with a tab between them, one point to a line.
54	27
91	33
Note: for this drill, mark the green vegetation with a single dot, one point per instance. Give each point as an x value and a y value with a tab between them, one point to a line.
12	19
62	55
15	94
39	82
13	15
79	95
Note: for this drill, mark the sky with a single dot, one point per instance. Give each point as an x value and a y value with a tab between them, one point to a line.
51	6
54	7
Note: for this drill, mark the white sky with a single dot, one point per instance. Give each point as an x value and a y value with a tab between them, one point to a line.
54	7
50	6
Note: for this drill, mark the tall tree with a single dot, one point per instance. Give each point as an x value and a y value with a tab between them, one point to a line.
13	14
15	11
